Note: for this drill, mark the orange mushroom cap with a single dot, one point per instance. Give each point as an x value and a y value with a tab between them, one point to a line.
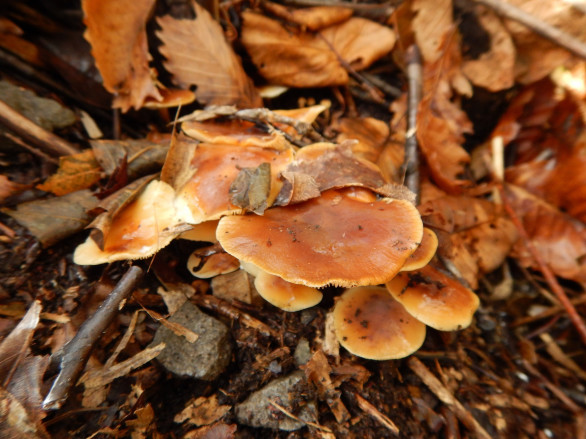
424	253
332	239
215	167
142	228
207	266
369	323
434	298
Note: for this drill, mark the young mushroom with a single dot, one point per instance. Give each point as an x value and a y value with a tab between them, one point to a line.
434	298
424	253
333	239
369	323
280	293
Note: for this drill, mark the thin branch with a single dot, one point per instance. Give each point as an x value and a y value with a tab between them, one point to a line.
411	161
541	28
444	395
75	353
30	131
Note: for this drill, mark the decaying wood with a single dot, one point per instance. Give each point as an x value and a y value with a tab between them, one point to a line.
30	131
73	356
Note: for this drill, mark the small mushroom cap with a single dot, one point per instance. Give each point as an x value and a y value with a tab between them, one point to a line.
424	253
434	298
202	232
170	98
233	132
285	295
332	239
141	229
371	324
205	267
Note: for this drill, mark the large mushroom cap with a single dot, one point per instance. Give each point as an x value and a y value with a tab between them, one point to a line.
434	298
371	324
333	239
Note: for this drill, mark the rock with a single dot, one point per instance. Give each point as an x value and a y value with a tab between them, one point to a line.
257	410
207	357
302	352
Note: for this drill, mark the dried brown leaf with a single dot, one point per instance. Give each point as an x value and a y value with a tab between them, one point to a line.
312	18
303	59
54	219
202	411
197	54
559	238
9	188
432	21
76	172
117	32
441	124
494	69
292	59
216	431
372	135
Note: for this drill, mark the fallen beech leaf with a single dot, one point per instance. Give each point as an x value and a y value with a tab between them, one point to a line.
54	219
537	57
473	233
305	59
117	34
359	41
143	156
295	60
432	21
197	54
312	18
251	187
441	123
372	135
559	238
76	172
494	69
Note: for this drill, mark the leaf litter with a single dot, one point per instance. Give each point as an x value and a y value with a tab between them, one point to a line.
516	370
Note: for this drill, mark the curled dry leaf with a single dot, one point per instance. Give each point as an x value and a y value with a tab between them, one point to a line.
54	219
441	124
313	18
494	69
537	56
473	233
76	172
559	238
197	54
117	33
304	59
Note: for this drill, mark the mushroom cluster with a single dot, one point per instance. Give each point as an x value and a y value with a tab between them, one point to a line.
297	220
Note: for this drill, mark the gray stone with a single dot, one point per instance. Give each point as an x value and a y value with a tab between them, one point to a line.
257	410
302	352
207	357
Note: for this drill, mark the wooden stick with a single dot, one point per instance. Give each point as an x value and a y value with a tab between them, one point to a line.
411	161
74	355
444	395
541	28
30	131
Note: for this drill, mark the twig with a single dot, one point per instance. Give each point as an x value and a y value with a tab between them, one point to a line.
447	398
411	161
543	267
298	419
373	412
30	131
552	388
224	308
75	353
547	31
